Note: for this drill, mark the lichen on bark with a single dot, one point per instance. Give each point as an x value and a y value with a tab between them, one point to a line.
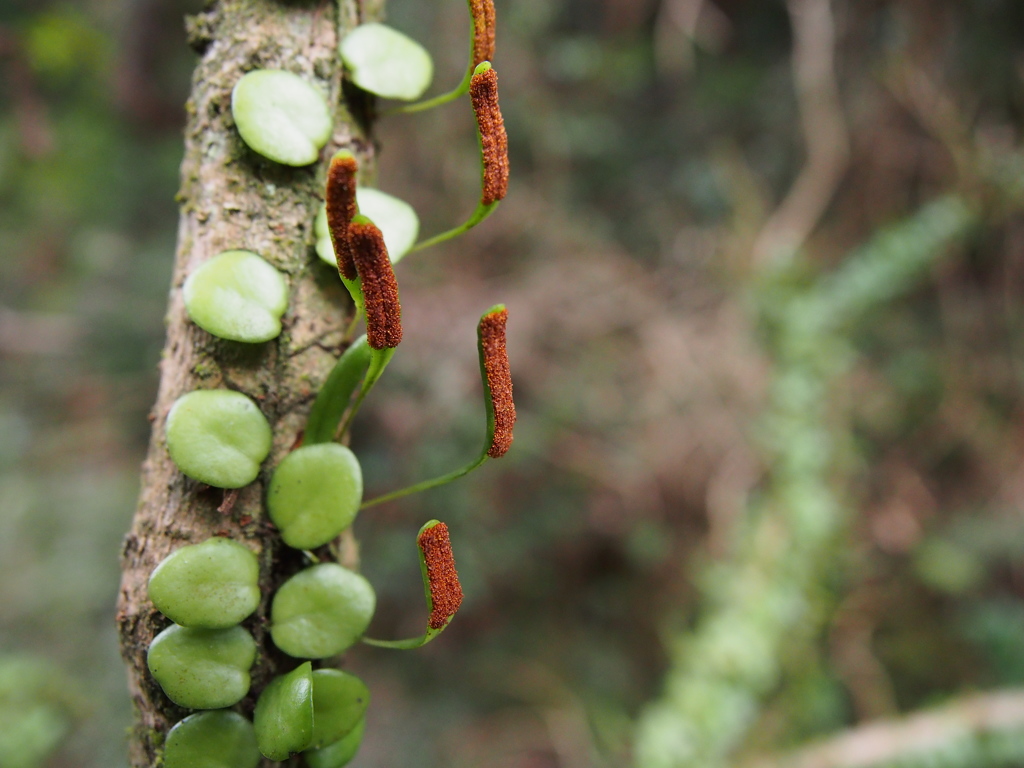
232	198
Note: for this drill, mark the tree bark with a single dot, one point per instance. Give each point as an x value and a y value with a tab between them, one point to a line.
232	198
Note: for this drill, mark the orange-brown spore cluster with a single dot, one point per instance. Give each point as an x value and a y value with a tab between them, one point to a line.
494	355
483	90
483	30
380	289
442	578
341	207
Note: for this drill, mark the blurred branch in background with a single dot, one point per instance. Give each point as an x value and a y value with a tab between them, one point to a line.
824	129
762	599
979	731
682	26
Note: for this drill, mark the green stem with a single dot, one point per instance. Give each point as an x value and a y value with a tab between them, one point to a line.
482	212
336	393
491	421
426	485
421	106
431	633
379	359
444	98
350	332
405	645
355	290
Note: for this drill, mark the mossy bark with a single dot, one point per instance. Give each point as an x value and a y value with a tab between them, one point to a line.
232	198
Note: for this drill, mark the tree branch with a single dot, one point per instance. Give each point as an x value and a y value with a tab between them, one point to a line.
959	729
824	127
231	198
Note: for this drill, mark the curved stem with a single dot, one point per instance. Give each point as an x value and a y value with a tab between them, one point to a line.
436	101
440	583
379	359
425	485
421	106
350	331
404	645
491	347
482	212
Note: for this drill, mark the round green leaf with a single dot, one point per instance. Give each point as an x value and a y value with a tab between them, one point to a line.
324	246
396	219
315	494
202	668
384	61
237	295
321	611
339	704
221	739
218	436
281	116
212	585
284	714
338	754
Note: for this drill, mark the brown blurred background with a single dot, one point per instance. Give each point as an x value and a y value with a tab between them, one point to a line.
771	397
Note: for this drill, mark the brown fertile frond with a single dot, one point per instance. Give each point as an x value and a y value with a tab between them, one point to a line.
380	289
483	90
483	30
499	379
442	578
341	207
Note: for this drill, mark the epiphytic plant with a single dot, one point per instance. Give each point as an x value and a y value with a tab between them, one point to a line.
340	700
397	220
483	90
220	437
338	754
500	407
317	712
440	585
336	393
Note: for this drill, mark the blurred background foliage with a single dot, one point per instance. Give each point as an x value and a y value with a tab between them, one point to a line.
768	347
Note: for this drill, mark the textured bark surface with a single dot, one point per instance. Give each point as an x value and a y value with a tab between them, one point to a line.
232	198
